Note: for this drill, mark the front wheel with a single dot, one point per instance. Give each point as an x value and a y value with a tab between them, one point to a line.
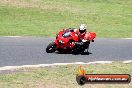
50	48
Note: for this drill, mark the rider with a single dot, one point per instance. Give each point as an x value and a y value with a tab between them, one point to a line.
81	31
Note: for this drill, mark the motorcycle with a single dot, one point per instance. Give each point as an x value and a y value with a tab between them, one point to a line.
67	41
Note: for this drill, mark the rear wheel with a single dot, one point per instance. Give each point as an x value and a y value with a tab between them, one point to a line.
50	48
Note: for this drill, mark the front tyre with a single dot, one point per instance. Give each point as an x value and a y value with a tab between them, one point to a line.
50	48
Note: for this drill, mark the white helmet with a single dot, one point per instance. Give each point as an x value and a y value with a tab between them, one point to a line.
82	28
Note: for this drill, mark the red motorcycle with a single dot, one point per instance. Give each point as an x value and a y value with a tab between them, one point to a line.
67	41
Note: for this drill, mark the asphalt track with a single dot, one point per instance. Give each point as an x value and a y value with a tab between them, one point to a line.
15	51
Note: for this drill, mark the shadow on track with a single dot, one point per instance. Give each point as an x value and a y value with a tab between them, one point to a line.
84	53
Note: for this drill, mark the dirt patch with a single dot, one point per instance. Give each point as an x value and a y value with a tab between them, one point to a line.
18	3
39	4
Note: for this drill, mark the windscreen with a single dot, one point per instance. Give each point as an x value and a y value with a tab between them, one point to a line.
66	34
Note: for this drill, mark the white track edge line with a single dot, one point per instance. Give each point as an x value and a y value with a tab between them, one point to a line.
12	36
57	64
126	38
127	61
54	64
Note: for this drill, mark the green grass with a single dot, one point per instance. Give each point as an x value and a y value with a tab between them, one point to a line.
108	18
62	76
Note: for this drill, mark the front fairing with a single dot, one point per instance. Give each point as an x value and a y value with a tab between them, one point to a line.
62	40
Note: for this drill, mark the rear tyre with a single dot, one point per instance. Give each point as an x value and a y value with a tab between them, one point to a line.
50	48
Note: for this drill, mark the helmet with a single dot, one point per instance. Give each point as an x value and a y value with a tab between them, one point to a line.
82	28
